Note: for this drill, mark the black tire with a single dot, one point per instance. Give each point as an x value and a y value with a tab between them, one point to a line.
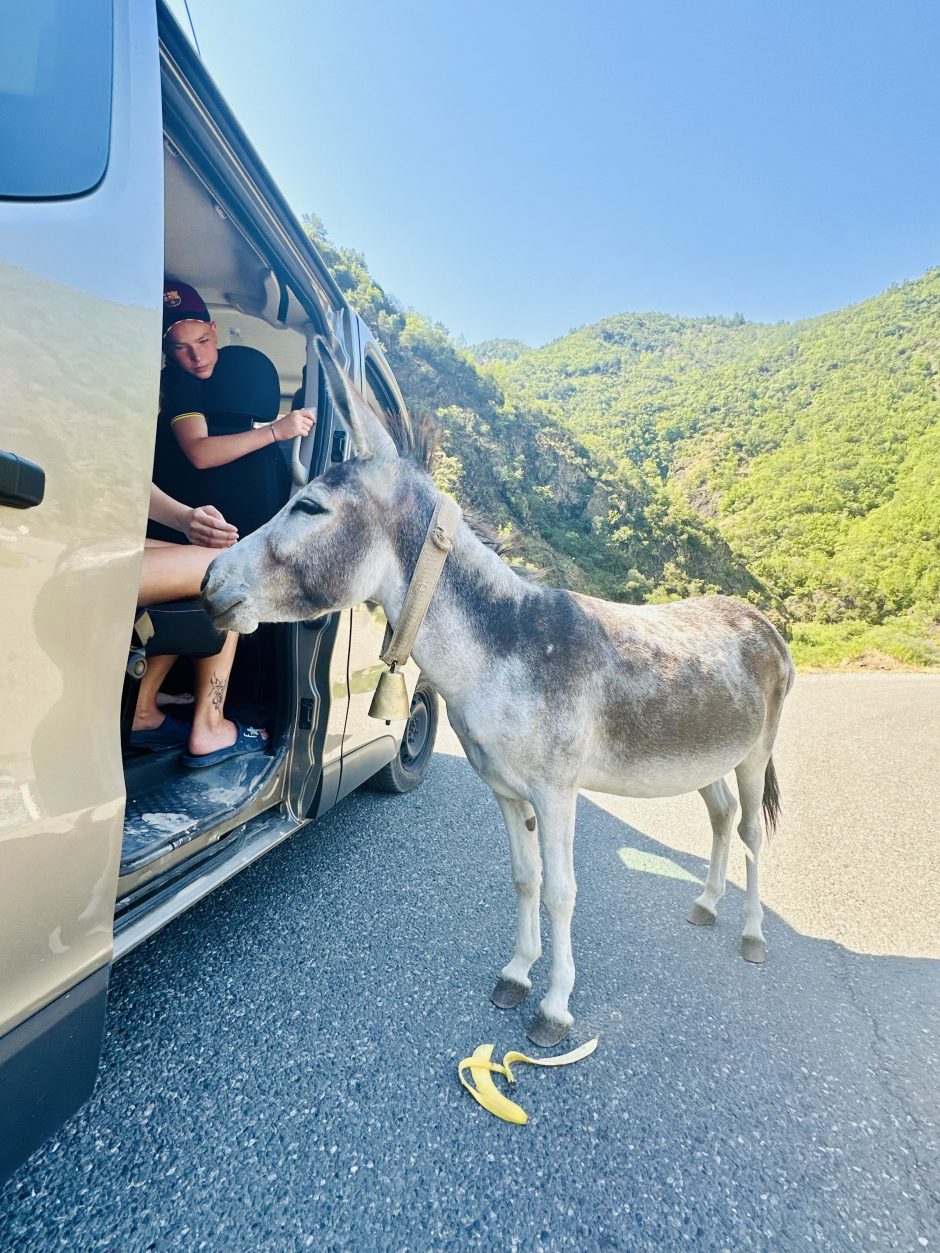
405	771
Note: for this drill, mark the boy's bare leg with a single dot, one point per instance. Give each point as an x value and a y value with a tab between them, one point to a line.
175	572
169	572
172	571
211	729
148	716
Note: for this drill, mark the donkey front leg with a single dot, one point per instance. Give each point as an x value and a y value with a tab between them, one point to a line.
514	981
556	815
721	805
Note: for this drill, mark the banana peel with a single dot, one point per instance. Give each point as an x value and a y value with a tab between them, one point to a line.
482	1068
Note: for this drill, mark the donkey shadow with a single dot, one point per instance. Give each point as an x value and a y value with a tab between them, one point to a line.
644	966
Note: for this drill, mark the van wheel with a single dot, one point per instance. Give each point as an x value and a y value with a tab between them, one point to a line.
407	770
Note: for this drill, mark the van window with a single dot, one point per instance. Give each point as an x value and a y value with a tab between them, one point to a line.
379	394
55	97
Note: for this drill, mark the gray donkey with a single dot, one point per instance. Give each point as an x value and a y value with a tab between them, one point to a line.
548	691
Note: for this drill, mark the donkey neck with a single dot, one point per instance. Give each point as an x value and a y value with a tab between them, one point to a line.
479	608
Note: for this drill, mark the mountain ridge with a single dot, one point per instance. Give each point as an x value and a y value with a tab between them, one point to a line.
648	456
782	439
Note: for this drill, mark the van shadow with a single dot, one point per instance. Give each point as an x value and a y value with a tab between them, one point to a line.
297	1034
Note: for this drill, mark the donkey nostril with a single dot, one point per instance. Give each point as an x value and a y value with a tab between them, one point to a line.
223	600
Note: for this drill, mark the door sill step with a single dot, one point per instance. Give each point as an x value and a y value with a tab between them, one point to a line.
187	803
192	882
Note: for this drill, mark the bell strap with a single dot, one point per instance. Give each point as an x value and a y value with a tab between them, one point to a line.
437	544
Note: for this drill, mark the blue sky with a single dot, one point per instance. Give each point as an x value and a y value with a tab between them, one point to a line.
521	168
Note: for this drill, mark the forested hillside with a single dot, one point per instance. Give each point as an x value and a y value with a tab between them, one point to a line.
814	447
649	456
516	464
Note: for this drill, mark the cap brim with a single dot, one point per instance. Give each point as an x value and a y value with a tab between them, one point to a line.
185	317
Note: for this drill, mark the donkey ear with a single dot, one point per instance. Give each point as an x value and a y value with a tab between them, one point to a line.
369	437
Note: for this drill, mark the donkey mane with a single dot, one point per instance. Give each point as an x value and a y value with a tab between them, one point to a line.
417	437
502	545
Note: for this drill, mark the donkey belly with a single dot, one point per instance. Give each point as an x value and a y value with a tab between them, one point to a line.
659	776
668	748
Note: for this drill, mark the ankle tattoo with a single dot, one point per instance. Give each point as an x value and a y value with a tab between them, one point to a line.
217	692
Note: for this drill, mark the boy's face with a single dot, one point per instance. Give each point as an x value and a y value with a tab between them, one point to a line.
194	347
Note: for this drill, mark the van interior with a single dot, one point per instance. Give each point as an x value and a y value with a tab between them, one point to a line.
168	805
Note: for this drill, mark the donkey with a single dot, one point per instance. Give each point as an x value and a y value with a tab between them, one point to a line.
548	691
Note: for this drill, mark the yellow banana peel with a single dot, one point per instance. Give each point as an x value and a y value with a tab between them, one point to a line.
482	1068
486	1092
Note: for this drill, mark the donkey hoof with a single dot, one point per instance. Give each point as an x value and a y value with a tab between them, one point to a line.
753	950
699	916
507	994
545	1031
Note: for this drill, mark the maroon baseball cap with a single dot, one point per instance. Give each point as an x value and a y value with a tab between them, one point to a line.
182	303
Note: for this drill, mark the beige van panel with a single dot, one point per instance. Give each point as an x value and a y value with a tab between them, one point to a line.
69	571
80	294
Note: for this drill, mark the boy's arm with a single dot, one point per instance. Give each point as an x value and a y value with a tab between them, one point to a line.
205	450
202	525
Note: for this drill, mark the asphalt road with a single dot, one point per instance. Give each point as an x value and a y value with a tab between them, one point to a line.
279	1069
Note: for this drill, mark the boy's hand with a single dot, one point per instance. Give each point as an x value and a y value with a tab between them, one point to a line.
206	527
297	422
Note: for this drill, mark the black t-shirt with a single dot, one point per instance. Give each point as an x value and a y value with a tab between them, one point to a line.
243	388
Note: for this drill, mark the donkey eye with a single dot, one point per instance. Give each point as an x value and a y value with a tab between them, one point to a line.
305	505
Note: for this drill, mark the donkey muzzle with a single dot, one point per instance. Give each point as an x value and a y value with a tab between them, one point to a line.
228	603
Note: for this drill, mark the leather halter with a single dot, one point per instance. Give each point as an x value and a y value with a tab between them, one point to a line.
427	572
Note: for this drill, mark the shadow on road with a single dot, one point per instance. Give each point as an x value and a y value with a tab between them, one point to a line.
279	1069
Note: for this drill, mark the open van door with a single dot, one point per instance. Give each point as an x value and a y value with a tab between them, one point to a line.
81	266
321	647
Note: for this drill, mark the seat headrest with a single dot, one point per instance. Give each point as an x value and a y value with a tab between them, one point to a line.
244	382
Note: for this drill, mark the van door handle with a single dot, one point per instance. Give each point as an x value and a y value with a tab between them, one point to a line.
338	450
22	482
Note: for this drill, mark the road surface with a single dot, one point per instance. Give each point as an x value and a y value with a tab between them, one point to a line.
279	1068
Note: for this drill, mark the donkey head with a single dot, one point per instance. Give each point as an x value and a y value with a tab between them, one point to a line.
328	548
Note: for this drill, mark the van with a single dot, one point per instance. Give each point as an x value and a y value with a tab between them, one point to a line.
121	166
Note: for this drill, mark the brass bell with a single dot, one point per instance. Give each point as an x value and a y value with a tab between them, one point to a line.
390	702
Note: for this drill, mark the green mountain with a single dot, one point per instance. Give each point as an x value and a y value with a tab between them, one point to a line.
648	456
498	350
518	466
814	448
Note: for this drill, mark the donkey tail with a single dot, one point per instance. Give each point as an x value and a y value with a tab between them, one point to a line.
770	803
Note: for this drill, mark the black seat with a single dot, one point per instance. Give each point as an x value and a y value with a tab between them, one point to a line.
178	628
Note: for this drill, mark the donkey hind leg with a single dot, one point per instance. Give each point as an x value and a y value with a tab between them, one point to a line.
556	816
722	806
514	981
750	775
